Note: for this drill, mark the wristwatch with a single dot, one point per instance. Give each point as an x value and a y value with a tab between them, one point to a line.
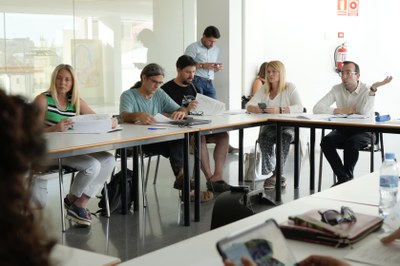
372	89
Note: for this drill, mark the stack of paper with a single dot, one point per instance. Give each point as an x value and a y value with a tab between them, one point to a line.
92	123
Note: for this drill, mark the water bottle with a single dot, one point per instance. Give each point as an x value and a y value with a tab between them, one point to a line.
388	184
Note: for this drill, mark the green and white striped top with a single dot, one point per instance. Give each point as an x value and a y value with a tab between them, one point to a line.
54	114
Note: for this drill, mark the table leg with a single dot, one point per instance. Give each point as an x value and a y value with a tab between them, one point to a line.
186	183
136	177
197	150
312	159
241	134
296	157
124	179
278	162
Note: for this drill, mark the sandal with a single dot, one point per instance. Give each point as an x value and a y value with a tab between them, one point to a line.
269	183
204	196
178	184
218	186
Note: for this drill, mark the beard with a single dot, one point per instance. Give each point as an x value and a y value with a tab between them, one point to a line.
187	81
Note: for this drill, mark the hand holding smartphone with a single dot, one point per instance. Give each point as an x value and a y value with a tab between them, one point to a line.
263	243
262	106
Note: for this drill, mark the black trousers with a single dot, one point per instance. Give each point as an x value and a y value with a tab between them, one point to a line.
351	141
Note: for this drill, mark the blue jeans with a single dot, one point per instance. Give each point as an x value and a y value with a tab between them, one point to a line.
205	87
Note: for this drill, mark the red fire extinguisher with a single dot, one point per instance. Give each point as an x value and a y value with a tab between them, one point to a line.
340	56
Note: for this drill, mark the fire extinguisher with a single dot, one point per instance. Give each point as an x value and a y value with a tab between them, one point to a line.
340	56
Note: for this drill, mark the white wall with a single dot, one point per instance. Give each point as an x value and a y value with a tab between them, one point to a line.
303	35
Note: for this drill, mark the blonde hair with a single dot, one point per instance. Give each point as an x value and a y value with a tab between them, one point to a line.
74	90
280	67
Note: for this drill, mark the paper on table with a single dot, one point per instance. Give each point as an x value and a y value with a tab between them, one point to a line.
91	123
160	118
375	253
209	106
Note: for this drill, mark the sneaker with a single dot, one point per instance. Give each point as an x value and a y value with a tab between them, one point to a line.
218	186
269	183
81	216
67	203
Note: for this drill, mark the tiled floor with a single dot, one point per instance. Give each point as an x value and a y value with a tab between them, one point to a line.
129	236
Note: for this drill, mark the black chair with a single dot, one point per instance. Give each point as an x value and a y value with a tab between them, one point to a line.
228	208
378	146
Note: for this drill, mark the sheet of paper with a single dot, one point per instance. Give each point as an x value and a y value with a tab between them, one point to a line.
209	106
375	253
91	124
160	118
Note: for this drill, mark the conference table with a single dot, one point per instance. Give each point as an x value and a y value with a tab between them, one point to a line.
201	249
61	145
68	256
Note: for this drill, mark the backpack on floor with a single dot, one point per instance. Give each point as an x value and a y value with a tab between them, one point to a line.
114	194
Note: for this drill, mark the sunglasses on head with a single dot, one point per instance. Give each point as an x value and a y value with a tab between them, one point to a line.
333	217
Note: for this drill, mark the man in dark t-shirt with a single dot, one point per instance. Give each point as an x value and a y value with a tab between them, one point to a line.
183	92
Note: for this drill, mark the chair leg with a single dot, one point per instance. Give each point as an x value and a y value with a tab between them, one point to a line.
144	197
147	171
156	171
107	200
61	188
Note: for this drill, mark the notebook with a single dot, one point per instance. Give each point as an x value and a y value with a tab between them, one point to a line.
341	235
190	121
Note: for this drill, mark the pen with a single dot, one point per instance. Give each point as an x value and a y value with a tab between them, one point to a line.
155	128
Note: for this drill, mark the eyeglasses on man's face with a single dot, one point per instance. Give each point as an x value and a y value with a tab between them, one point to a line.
346	73
333	217
159	83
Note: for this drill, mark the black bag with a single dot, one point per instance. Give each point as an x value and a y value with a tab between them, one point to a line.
114	193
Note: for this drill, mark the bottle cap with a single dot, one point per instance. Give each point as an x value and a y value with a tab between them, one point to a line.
390	156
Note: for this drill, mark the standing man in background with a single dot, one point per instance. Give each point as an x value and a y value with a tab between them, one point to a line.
205	52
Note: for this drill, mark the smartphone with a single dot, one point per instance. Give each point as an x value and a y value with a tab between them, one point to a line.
262	106
263	243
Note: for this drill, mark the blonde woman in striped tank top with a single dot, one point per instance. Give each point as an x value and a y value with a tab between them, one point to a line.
58	104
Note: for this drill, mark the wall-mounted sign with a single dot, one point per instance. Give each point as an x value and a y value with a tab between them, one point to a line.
347	7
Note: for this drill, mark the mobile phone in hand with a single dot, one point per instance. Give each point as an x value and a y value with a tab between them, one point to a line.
262	106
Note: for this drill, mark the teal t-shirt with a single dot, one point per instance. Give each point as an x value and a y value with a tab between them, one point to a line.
132	101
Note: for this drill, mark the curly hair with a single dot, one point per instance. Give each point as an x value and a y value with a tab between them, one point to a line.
22	242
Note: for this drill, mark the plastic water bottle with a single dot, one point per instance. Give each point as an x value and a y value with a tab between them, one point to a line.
388	184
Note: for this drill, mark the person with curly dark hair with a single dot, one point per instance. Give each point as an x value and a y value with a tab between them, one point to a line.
22	241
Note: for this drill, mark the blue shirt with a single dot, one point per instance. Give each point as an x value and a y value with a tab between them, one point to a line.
201	54
132	101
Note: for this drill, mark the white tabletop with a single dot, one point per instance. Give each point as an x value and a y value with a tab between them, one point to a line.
67	256
201	250
363	190
68	144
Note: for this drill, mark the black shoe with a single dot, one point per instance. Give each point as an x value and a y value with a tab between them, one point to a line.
81	216
218	186
178	184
